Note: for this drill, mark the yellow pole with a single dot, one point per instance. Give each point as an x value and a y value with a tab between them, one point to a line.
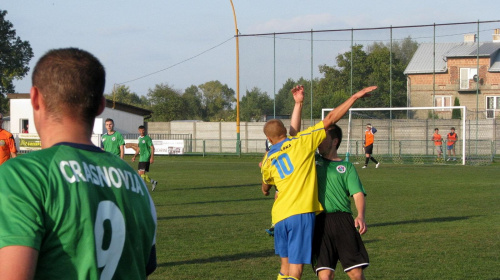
237	83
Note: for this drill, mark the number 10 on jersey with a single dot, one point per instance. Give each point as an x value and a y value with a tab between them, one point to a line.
283	164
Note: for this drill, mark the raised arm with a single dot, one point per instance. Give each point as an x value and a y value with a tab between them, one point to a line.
298	96
335	115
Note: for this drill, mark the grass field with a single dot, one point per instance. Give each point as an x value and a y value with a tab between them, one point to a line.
424	222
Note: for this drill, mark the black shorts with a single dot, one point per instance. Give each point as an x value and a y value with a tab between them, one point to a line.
336	238
143	165
369	149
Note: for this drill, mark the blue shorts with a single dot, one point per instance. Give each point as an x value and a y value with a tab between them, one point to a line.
451	147
293	238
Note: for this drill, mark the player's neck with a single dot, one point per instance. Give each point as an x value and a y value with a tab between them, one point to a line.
332	155
53	132
276	140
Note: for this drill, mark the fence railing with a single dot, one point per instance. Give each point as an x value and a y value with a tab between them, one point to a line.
485	150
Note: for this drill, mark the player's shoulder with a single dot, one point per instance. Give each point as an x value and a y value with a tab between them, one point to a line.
29	161
318	126
346	164
344	167
6	133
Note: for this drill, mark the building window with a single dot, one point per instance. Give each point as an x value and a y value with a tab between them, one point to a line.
492	106
25	126
442	102
466	74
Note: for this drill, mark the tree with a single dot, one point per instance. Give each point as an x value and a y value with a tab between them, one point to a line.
456	113
166	104
15	55
405	50
255	105
284	99
217	101
123	94
370	67
192	99
379	55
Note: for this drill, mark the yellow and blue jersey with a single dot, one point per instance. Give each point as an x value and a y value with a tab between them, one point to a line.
290	166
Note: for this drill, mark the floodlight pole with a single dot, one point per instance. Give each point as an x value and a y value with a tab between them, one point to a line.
238	143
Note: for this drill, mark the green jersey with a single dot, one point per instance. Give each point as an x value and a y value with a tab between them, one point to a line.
89	214
144	143
337	182
112	142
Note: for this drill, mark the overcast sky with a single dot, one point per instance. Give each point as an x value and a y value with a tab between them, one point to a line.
187	42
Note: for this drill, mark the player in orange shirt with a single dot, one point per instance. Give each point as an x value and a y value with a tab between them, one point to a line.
7	144
438	142
369	139
452	138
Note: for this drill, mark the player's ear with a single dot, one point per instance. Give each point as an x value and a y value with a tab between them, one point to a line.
35	98
102	105
335	142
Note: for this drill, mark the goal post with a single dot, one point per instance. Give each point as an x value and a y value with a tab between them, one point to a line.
405	134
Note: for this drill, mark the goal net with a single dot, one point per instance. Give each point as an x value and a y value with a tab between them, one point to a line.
404	135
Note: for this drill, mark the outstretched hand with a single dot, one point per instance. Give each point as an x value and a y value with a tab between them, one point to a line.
365	92
298	93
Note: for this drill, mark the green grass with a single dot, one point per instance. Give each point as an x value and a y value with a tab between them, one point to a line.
424	221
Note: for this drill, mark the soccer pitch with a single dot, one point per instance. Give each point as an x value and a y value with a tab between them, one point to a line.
424	221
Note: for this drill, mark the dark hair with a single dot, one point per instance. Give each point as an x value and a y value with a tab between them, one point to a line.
142	127
109	120
436	129
71	82
335	132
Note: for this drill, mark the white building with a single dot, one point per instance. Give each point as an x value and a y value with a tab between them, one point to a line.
127	118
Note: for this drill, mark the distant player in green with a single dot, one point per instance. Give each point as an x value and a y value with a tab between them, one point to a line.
289	165
71	210
146	151
113	141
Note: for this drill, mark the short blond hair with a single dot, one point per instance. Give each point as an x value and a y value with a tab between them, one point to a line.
274	128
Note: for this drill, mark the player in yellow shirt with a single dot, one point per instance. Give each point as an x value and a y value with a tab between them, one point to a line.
290	166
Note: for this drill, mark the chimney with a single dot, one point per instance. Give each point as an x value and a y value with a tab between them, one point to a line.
496	36
470	38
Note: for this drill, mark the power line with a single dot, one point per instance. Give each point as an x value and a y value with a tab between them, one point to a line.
367	28
178	63
365	40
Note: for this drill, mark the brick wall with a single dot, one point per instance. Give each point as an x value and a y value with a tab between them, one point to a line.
421	86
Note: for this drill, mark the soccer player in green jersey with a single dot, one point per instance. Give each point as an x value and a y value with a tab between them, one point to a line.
289	165
336	236
146	152
113	141
71	210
